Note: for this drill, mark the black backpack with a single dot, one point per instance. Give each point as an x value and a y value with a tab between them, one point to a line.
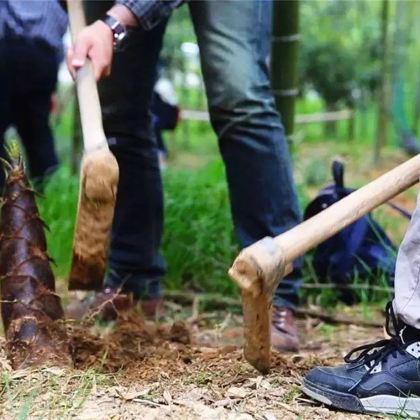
362	249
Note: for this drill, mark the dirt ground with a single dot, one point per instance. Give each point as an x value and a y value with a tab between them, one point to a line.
191	369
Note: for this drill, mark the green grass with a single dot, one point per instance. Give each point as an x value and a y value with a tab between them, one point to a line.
199	243
58	209
48	393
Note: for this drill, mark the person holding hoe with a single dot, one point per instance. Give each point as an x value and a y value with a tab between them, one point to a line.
234	40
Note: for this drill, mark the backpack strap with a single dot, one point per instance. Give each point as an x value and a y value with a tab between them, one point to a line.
399	210
337	169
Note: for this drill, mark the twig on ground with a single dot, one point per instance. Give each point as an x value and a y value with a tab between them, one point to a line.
337	319
147	402
286	407
223	302
216	300
364	286
195	310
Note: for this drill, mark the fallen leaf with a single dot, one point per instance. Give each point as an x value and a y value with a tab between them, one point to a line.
130	394
55	371
223	403
167	397
236	392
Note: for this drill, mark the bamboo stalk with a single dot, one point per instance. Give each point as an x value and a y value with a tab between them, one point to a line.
284	60
31	311
381	136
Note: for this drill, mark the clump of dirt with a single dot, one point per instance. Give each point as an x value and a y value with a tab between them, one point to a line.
128	342
145	351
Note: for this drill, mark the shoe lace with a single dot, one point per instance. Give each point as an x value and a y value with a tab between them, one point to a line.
279	317
374	353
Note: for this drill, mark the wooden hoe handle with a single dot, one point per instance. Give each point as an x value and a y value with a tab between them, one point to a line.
99	174
259	268
87	90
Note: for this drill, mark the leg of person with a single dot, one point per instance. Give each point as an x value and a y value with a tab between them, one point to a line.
387	380
135	264
234	45
6	78
32	104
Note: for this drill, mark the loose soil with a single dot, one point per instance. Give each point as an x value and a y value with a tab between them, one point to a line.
191	369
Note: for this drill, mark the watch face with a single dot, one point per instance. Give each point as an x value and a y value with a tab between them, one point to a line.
117	29
120	36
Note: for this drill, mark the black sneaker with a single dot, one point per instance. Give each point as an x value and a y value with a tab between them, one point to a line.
382	377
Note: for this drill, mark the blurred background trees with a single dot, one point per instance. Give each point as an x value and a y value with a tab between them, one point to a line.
358	55
358	83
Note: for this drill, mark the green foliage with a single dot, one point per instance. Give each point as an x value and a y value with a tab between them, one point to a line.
13	150
337	83
339	59
58	209
316	174
199	244
339	49
179	30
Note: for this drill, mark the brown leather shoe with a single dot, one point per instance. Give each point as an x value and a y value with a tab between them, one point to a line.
284	334
109	303
153	308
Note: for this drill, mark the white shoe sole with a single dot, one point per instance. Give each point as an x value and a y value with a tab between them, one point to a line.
383	404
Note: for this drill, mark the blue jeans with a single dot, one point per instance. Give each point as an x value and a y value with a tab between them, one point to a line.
234	38
25	101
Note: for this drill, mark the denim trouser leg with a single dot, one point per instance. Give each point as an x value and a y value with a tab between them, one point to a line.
135	262
407	273
234	38
25	101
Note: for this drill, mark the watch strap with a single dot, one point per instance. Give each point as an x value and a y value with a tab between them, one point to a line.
119	32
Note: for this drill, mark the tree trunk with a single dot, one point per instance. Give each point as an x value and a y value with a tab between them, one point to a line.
31	310
399	63
284	55
381	135
330	127
351	127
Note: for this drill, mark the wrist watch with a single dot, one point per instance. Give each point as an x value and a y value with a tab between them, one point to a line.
119	32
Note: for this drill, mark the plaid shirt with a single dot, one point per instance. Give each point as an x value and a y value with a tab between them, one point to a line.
34	19
150	12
